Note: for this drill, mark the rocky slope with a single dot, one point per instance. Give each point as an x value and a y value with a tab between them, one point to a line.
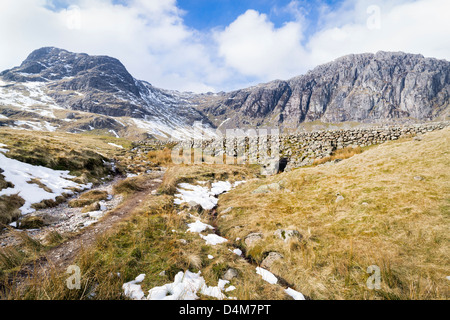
370	88
53	78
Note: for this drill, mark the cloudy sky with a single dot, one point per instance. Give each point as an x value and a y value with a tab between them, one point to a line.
220	45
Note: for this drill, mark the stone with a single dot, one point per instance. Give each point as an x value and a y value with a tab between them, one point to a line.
286	235
267	188
230	274
339	198
270	259
252	238
194	206
418	178
227	210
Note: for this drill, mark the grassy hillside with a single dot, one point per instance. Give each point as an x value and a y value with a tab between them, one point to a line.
84	156
388	206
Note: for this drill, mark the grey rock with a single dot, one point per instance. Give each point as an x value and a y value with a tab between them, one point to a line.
286	235
358	87
270	259
252	238
227	210
230	274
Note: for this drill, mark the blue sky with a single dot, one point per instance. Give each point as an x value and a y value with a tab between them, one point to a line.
205	14
219	45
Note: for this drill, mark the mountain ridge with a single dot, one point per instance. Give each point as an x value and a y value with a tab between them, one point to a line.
386	86
365	88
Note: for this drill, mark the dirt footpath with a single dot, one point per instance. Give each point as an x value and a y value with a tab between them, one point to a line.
64	254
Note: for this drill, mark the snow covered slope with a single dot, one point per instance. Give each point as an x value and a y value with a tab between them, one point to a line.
54	89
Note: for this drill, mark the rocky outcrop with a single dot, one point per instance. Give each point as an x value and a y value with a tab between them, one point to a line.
368	88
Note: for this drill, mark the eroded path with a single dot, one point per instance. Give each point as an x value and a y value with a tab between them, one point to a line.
63	255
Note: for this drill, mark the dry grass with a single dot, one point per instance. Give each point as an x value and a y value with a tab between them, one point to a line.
133	184
146	243
340	154
160	157
88	198
191	173
10	208
387	218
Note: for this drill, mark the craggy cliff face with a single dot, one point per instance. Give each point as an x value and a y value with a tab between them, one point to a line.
367	88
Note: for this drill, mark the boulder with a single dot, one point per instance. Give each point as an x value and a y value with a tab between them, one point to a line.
230	274
252	238
270	259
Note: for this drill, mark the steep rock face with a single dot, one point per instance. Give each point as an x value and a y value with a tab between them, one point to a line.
370	88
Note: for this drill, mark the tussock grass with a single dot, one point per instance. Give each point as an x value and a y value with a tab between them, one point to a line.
132	184
340	154
10	208
387	218
191	173
88	198
53	238
160	157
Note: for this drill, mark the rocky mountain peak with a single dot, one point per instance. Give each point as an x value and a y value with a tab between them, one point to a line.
380	87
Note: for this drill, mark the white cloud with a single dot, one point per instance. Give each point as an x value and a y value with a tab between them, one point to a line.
148	37
416	27
153	42
253	46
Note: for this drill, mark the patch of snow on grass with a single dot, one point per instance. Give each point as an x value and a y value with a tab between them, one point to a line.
266	275
237	251
213	239
295	294
133	288
20	173
115	145
201	195
185	287
198	227
220	187
197	194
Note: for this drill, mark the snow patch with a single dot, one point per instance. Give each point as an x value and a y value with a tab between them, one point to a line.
115	145
266	275
198	227
133	288
294	294
213	239
20	174
186	286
